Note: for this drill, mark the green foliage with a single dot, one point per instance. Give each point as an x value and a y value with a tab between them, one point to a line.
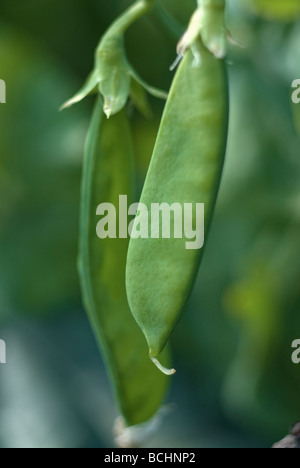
39	173
277	9
235	339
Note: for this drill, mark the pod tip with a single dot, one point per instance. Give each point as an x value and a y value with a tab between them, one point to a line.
161	367
109	107
107	112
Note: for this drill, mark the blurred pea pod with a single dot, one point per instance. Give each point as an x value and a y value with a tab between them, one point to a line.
108	172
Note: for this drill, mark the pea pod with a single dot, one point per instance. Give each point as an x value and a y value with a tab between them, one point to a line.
108	173
186	167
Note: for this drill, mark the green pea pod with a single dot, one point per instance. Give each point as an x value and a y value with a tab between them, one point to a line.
186	167
108	173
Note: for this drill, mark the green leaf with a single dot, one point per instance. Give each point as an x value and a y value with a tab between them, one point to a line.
89	87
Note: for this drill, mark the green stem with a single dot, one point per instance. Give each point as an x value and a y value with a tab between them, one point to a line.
132	14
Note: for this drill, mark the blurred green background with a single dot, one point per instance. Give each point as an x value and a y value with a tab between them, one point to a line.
236	385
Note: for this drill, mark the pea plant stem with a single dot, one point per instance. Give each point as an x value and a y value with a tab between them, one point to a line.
132	14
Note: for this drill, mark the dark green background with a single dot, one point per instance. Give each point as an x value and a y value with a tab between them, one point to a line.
236	385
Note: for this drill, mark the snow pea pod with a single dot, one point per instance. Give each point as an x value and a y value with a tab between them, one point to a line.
186	167
108	173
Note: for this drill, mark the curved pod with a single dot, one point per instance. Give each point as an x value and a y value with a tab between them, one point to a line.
186	167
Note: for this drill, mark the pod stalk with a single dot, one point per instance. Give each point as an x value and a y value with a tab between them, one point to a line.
161	367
